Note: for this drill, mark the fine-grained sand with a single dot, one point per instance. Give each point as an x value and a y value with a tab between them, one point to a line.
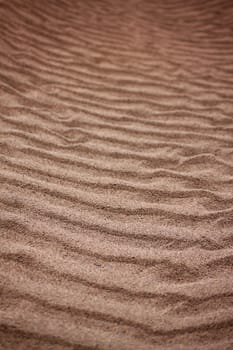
116	175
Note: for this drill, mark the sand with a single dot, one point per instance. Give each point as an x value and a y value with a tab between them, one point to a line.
116	175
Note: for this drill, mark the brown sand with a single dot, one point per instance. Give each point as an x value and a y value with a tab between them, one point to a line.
116	195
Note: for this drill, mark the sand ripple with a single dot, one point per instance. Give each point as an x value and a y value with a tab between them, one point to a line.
116	175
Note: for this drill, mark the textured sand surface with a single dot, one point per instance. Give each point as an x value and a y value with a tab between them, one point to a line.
116	175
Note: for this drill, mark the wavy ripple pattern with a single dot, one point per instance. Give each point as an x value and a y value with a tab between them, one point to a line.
116	175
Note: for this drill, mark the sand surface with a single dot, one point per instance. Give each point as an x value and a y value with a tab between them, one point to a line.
116	175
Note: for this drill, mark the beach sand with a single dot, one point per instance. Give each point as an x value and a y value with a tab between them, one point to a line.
116	175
